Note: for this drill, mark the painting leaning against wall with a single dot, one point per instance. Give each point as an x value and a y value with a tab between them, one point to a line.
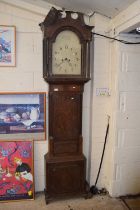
23	115
16	170
7	46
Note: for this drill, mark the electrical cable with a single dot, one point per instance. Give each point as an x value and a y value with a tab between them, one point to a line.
94	189
119	40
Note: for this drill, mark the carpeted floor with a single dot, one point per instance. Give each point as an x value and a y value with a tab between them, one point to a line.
96	203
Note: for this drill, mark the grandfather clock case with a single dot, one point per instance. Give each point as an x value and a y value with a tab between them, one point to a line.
66	67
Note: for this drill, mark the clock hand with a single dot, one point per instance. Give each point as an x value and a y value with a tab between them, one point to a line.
60	63
66	59
63	61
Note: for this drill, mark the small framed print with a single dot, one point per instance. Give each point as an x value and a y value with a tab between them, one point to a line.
23	115
16	170
7	45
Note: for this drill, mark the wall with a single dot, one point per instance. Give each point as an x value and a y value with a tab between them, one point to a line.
125	105
27	75
107	64
127	19
125	178
116	67
100	107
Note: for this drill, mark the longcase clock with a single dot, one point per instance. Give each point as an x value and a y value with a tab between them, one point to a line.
66	67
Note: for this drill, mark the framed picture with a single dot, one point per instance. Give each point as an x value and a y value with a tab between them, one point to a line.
7	45
23	115
16	170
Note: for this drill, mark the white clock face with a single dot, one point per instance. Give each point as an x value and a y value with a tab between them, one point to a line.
66	54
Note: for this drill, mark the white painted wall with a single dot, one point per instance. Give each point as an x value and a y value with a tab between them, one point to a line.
110	69
125	106
127	116
116	67
100	107
127	19
27	75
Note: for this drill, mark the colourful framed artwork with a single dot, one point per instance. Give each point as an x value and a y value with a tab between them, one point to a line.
23	116
16	170
7	45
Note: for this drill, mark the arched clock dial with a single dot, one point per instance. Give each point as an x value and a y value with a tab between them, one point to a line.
66	54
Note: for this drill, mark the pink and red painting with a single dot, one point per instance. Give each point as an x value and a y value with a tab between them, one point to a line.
16	170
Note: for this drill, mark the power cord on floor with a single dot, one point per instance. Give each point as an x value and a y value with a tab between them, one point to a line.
94	190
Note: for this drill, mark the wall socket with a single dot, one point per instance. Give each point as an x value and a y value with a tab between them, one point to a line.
102	92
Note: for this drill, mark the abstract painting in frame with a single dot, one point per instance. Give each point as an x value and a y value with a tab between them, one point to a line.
23	115
16	170
7	45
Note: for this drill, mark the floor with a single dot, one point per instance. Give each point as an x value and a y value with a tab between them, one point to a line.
100	202
132	202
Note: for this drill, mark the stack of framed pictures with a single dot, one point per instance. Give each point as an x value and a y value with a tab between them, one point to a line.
22	120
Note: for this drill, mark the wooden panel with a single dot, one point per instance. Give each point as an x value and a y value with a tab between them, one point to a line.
65	119
72	87
66	123
65	148
65	115
65	177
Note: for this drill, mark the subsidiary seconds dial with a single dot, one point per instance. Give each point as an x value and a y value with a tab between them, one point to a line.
66	54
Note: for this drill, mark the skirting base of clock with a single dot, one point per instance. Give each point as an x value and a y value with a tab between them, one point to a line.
65	177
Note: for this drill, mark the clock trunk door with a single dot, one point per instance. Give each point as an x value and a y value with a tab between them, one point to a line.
65	120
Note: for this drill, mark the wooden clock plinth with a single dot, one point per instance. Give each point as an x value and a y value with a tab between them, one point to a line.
65	177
